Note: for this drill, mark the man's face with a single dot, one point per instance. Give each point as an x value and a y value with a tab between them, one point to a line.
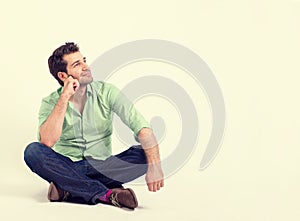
77	68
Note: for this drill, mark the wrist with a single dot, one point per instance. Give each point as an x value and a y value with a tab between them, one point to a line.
152	155
65	96
153	161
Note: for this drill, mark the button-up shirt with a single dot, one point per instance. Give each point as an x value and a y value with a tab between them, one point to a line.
89	134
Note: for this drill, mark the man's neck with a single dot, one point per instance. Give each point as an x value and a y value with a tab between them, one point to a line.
80	95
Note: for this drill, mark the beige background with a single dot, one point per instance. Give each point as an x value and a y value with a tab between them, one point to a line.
252	46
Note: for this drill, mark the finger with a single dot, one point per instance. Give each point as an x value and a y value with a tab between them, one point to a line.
153	187
158	187
75	85
68	78
150	187
160	184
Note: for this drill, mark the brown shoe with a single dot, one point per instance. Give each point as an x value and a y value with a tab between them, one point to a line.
55	194
123	198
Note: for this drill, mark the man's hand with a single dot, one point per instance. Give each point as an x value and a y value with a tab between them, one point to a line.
71	85
51	129
154	177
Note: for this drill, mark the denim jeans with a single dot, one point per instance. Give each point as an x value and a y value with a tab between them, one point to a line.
88	179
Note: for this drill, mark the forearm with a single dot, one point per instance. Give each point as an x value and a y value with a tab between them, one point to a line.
150	145
154	175
51	129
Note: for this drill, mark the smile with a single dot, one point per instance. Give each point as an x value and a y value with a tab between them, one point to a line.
86	73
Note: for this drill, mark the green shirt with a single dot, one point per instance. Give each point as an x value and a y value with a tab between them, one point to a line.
89	134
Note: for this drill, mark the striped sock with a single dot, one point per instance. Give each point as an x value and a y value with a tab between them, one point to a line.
104	197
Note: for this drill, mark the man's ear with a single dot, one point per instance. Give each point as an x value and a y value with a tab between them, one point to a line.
62	75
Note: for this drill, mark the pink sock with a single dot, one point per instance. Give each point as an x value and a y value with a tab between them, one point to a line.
104	198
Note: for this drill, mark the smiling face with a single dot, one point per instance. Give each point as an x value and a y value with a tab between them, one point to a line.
77	68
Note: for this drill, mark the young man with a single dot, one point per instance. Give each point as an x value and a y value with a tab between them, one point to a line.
74	152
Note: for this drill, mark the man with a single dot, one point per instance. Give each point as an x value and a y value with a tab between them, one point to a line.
74	151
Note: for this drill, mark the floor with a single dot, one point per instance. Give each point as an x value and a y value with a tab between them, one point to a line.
218	193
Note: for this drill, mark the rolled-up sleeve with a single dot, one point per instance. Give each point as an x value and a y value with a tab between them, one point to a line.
45	110
125	109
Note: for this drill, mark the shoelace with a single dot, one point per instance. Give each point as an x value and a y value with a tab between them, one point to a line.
65	196
114	199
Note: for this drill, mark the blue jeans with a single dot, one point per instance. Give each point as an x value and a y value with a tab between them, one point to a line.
88	179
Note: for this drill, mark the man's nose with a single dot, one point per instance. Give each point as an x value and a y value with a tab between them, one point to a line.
85	66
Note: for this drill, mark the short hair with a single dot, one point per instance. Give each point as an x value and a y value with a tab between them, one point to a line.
57	64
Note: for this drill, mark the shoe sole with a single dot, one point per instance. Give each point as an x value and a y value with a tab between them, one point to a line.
134	198
52	189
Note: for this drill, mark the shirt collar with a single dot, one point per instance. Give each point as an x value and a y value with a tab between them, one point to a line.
89	89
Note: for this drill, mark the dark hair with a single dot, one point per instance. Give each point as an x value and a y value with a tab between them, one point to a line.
56	63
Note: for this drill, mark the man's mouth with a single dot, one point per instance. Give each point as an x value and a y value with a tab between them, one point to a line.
86	73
